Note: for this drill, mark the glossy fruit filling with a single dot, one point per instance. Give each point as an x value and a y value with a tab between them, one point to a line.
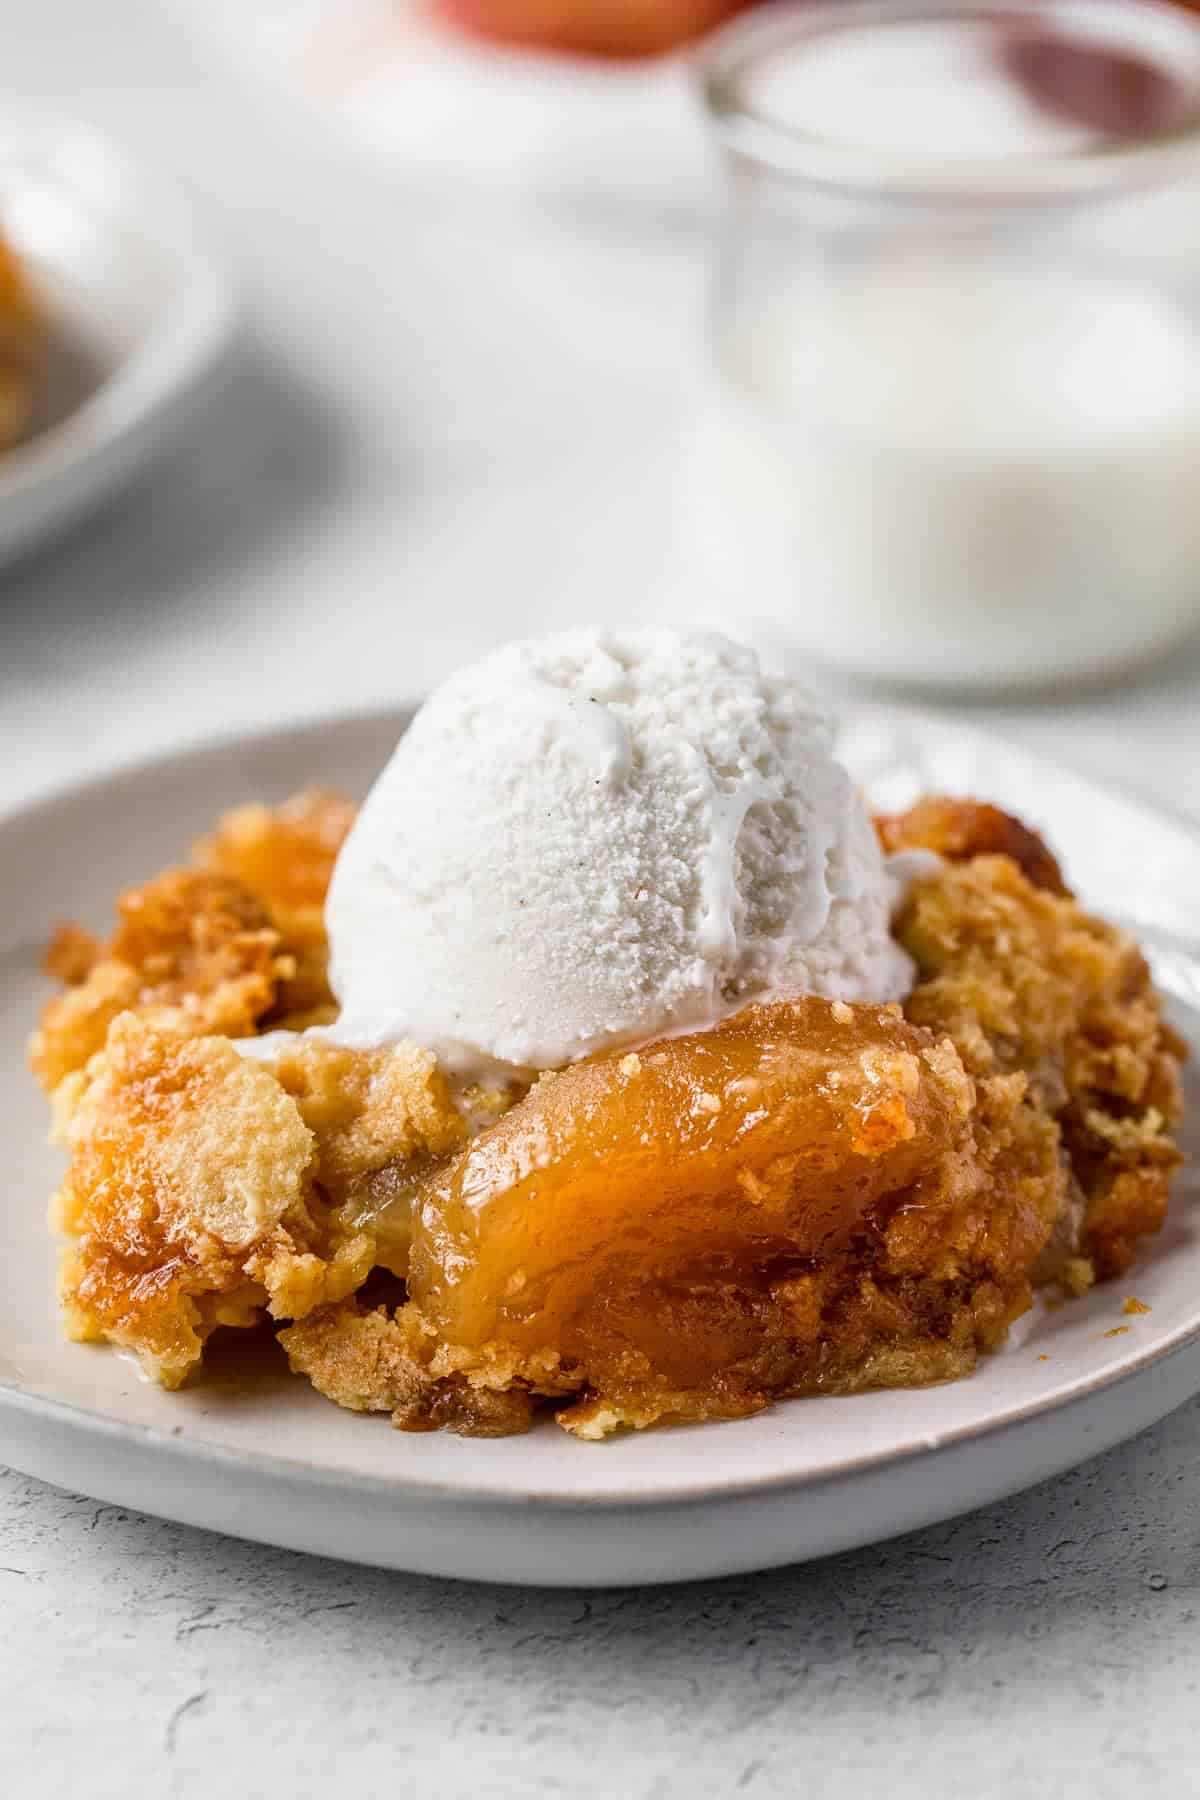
639	1209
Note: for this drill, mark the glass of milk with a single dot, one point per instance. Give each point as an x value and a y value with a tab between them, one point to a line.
954	431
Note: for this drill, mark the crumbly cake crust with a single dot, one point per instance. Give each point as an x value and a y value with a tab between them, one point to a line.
285	856
1013	1127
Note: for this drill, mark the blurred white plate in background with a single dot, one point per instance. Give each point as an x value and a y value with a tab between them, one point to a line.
139	316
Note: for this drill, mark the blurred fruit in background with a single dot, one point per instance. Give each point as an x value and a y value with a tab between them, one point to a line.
612	28
1111	91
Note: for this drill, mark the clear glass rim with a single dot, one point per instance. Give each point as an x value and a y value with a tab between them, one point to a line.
788	149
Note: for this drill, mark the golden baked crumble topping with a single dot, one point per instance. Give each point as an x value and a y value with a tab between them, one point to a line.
811	1198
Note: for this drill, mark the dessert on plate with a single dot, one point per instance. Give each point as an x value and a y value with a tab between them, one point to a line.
22	341
611	1062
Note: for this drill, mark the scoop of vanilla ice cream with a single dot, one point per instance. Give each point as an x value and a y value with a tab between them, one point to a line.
588	840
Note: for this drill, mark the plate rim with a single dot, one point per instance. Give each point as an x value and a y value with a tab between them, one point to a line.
190	1446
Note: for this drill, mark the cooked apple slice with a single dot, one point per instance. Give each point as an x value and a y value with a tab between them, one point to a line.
625	1188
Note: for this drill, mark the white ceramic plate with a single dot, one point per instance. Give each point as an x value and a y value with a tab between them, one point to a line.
271	1460
139	315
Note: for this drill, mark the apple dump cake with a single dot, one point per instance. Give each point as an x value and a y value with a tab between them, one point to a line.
610	1062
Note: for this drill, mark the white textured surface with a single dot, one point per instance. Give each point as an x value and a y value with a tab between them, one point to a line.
589	838
427	504
1046	1646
